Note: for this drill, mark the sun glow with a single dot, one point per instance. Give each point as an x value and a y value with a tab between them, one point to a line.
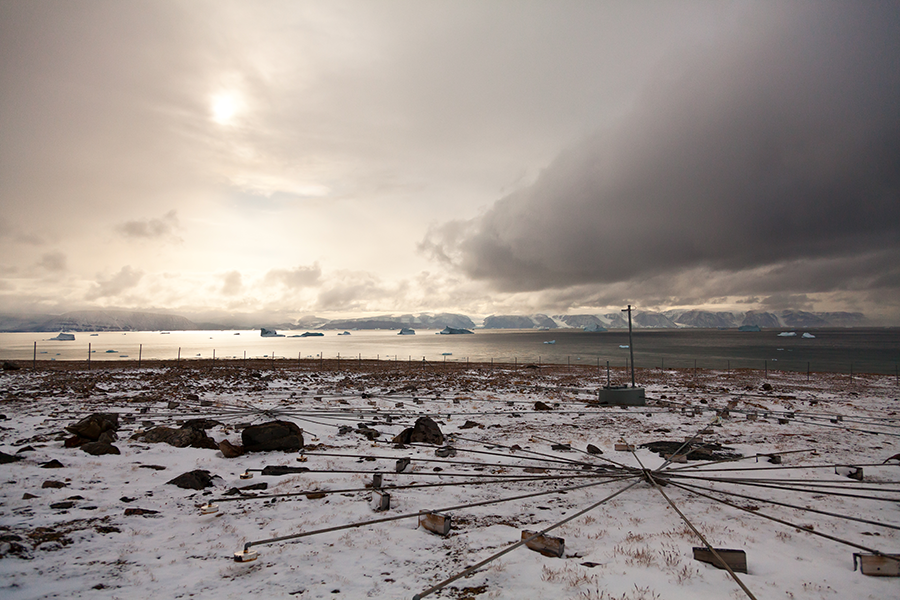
224	107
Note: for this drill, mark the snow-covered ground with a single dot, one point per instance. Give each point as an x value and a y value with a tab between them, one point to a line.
634	546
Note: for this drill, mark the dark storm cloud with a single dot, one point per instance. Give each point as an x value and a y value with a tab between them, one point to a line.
775	148
151	228
126	278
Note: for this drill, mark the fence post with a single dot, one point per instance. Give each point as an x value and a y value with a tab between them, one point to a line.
178	360
140	353
807	371
89	356
34	357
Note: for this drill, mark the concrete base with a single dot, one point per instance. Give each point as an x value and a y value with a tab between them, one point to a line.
621	396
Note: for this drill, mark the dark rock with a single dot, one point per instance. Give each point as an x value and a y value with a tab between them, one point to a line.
541	406
154	467
401	465
445	452
274	435
52	464
425	431
172	405
707	451
180	438
471	425
100	448
27	496
344	430
53	484
10	366
766	387
25	449
561	447
108	437
368	432
203	424
75	441
316	495
193	480
126	499
229	450
278	470
66	504
592	449
140	511
93	425
9	458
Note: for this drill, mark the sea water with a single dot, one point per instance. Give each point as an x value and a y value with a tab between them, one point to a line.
864	350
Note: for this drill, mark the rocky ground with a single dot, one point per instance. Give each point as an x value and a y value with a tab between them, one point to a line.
141	500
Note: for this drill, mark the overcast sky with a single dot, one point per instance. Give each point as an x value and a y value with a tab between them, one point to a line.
484	157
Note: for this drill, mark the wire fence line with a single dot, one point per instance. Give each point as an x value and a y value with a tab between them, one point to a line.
613	365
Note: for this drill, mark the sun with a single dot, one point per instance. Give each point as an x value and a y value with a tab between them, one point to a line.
224	107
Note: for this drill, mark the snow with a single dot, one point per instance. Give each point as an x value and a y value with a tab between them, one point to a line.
637	544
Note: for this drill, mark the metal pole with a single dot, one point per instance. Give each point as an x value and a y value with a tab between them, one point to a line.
630	343
179	355
89	356
767	369
140	353
607	375
34	357
807	371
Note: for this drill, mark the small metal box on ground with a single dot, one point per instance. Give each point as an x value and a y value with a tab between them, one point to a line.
545	544
878	566
436	523
381	501
735	559
621	396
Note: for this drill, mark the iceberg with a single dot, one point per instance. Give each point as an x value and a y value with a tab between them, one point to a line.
750	328
788	334
312	334
550	342
64	337
452	331
269	333
407	331
594	328
808	336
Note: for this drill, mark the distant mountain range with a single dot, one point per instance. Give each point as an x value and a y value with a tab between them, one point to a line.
114	320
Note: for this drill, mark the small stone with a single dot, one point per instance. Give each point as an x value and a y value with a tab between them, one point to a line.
229	450
193	480
9	458
140	511
63	505
53	464
25	449
592	449
53	484
100	448
541	406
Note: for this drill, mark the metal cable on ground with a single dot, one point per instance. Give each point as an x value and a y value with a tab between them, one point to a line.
421	512
802	488
518	544
413	486
805	528
795	506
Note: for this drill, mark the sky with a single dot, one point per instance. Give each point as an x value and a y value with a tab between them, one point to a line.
213	158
